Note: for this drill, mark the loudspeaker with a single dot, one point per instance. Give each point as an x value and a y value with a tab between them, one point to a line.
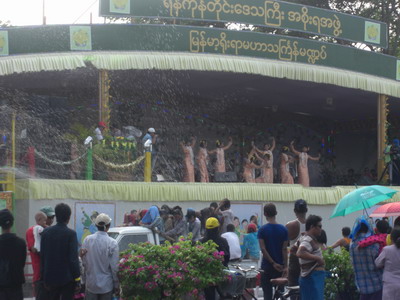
225	177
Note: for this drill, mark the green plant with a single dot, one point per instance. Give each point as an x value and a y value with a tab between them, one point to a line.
340	283
78	133
150	272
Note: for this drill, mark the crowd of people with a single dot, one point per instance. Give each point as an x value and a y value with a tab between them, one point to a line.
292	251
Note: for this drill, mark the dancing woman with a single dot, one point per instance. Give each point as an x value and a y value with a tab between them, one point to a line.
188	160
220	151
267	158
304	178
285	160
248	168
202	161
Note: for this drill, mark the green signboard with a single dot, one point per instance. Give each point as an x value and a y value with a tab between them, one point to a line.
123	37
278	14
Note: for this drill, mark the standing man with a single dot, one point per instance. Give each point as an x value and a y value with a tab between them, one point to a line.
41	220
49	212
312	264
99	131
296	229
59	257
12	259
273	239
101	262
151	135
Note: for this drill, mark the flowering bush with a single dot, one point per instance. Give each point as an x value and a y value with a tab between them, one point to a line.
168	271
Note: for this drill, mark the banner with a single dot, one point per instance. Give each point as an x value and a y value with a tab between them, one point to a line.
161	38
276	14
6	200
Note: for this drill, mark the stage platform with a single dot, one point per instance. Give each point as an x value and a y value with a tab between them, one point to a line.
48	189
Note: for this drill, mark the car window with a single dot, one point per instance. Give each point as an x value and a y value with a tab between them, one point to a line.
131	239
113	235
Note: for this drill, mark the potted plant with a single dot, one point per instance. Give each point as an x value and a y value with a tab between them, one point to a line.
151	272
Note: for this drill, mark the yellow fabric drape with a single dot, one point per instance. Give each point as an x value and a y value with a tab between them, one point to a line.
48	189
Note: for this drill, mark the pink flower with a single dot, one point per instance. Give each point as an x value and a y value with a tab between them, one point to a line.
167	293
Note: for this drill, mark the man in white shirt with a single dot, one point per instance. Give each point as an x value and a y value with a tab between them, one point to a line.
100	261
99	131
233	242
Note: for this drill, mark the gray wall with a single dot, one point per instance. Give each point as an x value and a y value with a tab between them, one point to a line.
26	209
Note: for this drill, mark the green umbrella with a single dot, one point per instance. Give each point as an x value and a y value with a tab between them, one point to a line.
362	198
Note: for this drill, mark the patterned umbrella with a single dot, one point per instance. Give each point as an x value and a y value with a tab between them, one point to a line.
387	210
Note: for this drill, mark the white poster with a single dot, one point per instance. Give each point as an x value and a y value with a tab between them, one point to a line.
86	213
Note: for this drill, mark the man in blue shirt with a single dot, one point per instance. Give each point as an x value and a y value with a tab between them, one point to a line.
273	239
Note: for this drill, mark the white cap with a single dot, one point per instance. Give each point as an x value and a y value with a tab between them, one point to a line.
102	220
151	130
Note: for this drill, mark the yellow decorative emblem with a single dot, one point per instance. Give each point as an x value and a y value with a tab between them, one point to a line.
120	4
372	32
80	38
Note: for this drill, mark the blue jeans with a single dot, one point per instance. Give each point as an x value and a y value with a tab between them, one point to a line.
312	286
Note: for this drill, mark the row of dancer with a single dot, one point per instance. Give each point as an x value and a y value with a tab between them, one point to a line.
266	159
264	156
203	158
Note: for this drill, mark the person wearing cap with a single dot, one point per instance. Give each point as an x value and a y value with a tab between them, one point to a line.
296	228
49	212
99	131
273	239
212	233
33	239
101	262
60	270
194	224
152	136
12	259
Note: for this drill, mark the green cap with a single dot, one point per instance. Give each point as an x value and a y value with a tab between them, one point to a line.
48	210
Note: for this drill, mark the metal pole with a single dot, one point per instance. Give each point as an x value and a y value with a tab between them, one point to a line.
147	167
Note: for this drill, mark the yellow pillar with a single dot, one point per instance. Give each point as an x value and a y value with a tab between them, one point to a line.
147	167
382	131
104	97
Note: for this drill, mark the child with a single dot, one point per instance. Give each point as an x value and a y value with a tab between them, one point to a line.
40	219
380	237
344	241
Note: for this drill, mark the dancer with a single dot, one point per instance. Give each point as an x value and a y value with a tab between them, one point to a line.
304	179
267	159
202	161
248	168
285	160
220	151
188	161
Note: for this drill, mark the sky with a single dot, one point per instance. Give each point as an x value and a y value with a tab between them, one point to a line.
30	12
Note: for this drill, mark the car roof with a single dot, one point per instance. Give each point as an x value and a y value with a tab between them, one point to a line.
131	230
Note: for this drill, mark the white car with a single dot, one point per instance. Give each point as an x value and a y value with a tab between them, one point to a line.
133	235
